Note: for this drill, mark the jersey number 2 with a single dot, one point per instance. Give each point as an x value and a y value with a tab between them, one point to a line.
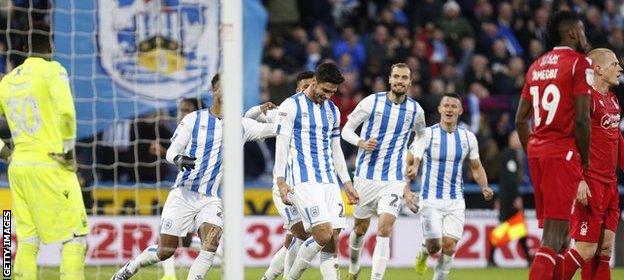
549	102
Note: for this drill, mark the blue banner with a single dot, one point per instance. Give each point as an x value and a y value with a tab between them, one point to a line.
129	57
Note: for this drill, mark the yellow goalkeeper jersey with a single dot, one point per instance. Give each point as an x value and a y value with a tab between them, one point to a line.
36	100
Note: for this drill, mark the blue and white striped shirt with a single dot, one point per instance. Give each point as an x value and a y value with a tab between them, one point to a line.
443	155
390	124
199	135
311	128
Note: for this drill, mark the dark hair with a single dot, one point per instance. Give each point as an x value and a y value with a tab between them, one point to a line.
452	95
215	80
400	65
40	39
328	73
559	23
198	103
304	75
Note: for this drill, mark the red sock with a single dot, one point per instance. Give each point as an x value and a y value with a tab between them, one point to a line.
589	268
543	264
558	267
571	263
603	270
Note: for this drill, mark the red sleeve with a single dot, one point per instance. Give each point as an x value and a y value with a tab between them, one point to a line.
583	76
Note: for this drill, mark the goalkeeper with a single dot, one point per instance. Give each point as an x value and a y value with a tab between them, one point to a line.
36	100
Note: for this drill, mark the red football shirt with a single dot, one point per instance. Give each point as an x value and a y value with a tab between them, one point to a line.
551	84
605	134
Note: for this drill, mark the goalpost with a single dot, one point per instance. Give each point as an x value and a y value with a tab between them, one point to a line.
232	53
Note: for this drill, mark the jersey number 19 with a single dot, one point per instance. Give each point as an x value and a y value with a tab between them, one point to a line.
549	102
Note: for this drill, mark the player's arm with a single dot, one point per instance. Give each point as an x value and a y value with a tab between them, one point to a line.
523	114
621	152
476	168
414	156
259	112
283	128
583	79
361	112
180	139
340	163
254	130
63	104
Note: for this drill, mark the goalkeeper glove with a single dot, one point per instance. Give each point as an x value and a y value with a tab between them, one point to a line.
67	159
184	162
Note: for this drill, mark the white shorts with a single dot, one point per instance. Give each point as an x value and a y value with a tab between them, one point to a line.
377	197
186	210
320	203
289	213
443	218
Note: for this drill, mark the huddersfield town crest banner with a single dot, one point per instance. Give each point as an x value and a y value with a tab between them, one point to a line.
129	57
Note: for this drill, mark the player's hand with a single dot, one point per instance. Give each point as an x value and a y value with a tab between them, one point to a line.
284	191
518	203
352	195
369	145
184	162
67	160
411	172
266	107
583	193
488	193
412	201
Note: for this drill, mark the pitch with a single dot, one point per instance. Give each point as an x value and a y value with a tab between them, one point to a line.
152	273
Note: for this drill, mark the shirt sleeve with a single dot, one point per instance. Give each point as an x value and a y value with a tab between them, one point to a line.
271	115
361	112
419	124
418	146
473	146
182	136
336	129
285	118
254	130
62	100
583	76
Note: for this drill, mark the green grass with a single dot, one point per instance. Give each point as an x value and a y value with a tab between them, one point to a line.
155	273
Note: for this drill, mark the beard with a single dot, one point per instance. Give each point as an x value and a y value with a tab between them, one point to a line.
399	91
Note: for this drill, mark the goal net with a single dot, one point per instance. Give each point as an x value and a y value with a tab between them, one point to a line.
130	63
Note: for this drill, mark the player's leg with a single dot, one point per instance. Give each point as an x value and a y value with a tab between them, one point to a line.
299	236
168	265
210	234
25	266
177	220
356	241
586	228
73	211
329	258
554	195
290	215
431	221
452	230
601	268
361	214
329	254
388	207
210	223
311	204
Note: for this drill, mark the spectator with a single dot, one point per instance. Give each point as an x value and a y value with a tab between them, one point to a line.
596	34
480	72
505	31
454	26
278	87
350	43
611	18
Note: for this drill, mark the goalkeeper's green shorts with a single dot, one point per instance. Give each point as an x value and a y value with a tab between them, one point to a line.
47	202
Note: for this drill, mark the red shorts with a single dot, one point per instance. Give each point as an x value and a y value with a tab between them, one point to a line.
555	181
601	212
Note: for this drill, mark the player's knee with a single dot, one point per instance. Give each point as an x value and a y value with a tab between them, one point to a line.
79	240
289	238
586	250
323	236
361	227
384	230
164	253
433	247
448	248
606	248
